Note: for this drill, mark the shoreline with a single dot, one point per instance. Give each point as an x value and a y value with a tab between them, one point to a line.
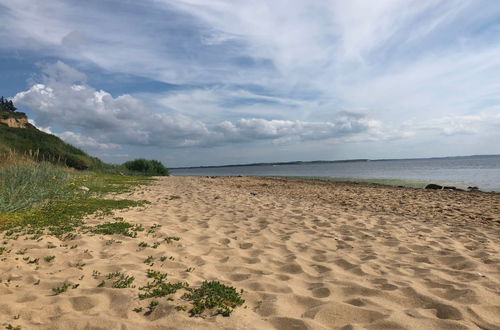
309	254
395	183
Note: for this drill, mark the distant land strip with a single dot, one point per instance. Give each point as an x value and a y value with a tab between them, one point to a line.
332	161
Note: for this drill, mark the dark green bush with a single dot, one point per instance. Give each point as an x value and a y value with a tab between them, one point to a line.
146	167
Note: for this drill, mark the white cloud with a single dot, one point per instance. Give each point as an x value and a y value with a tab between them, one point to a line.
85	142
109	121
414	68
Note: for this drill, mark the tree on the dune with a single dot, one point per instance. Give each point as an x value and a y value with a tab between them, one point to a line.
7	105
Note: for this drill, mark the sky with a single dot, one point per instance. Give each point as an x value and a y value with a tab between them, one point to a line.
198	82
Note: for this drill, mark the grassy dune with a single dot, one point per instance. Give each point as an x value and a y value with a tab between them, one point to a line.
43	196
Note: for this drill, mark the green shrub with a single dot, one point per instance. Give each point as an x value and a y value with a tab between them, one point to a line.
214	295
146	167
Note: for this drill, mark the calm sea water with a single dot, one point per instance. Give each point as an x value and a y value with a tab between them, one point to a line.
483	172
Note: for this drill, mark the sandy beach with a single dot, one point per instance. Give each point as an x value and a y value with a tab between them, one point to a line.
308	255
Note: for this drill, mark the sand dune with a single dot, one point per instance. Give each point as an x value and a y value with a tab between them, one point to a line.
308	254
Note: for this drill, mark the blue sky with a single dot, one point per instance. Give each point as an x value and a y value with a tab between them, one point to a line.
195	82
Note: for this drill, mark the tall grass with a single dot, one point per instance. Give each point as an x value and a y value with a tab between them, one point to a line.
26	185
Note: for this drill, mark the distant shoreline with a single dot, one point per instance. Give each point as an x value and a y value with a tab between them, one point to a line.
331	161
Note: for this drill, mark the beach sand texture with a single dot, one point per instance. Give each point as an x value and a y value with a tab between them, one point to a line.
308	254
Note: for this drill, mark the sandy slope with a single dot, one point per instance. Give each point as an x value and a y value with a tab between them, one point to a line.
309	255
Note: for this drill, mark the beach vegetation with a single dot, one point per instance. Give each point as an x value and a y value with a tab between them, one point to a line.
121	280
32	261
49	258
61	217
213	295
159	287
28	185
149	260
30	143
114	228
153	228
169	239
146	167
60	289
152	306
79	265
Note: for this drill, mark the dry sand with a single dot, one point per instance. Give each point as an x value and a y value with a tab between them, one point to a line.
308	254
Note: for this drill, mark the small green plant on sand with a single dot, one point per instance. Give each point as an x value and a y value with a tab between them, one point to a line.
121	280
159	287
113	228
149	260
49	258
169	239
153	228
61	217
152	306
61	289
213	295
33	261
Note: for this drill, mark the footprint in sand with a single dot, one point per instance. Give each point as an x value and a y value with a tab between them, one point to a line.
245	246
321	292
288	323
292	268
83	303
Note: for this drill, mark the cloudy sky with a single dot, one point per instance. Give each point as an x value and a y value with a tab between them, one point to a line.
208	82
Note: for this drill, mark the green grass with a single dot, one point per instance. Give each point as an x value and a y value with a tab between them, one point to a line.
46	147
61	217
40	196
103	183
28	185
113	228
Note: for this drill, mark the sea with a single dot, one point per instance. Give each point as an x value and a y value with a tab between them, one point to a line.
462	172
